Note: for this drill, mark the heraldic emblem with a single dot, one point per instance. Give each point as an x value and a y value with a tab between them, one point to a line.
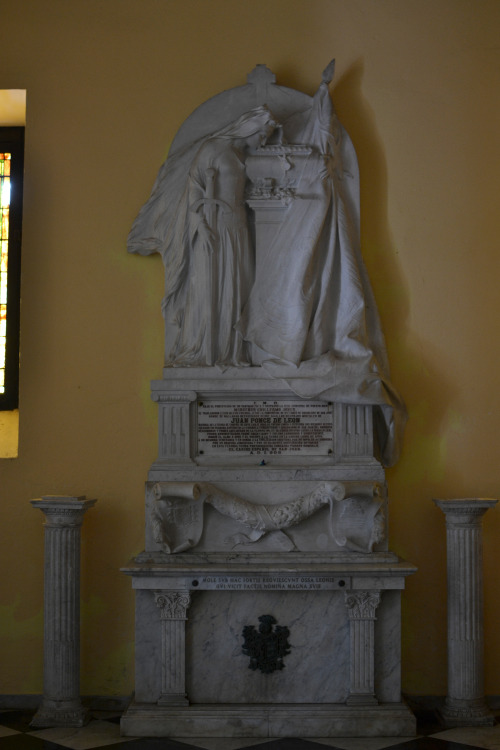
266	647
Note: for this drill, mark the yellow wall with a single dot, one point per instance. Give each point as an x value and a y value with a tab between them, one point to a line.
108	84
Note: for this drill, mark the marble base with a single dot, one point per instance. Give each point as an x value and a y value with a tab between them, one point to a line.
245	527
60	714
340	678
466	713
263	720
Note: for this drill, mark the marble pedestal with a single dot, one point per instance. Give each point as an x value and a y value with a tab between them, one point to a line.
262	503
341	677
465	702
61	705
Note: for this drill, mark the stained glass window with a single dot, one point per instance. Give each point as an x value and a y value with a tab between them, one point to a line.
11	173
5	162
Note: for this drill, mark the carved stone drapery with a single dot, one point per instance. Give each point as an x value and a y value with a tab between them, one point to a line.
173	606
465	703
61	704
356	522
361	607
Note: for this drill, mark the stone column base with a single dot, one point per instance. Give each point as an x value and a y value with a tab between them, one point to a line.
466	713
60	714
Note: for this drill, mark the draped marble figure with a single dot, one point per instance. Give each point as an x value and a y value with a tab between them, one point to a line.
199	224
220	254
301	306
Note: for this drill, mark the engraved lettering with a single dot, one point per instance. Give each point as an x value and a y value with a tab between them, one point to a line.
265	428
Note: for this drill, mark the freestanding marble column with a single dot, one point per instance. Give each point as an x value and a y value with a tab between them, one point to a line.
465	703
61	704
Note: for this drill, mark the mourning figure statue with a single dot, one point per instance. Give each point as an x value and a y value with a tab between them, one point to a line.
300	306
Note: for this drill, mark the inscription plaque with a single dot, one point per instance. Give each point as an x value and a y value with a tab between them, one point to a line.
288	428
271	583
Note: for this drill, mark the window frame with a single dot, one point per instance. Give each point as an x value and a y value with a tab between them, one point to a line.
12	141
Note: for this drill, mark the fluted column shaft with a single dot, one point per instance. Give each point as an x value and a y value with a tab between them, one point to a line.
61	704
361	607
173	606
465	702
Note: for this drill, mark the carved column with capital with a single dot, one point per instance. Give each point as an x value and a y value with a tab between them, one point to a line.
361	606
173	606
465	702
61	704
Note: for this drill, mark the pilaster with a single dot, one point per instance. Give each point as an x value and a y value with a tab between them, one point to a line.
361	607
173	606
174	445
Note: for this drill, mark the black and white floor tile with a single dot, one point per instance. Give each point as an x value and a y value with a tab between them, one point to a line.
104	731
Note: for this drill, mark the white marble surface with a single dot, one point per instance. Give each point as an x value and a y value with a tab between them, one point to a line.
265	720
148	661
196	218
316	670
388	648
184	392
252	318
465	702
248	516
239	294
61	704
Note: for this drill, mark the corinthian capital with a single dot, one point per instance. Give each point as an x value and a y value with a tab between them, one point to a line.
173	605
361	605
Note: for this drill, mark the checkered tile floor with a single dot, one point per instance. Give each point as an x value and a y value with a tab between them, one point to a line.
104	731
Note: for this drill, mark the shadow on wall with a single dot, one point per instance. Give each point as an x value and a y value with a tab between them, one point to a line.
417	534
426	391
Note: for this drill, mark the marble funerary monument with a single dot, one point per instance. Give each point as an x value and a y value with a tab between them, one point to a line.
267	601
